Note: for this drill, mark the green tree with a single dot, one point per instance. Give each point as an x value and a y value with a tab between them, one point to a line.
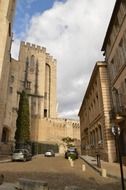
22	134
69	141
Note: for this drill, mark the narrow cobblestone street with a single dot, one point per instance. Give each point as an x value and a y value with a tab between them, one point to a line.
58	173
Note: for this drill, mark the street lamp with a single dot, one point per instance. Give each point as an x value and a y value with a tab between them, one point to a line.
116	133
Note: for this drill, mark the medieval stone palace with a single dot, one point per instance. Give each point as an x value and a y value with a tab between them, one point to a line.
34	71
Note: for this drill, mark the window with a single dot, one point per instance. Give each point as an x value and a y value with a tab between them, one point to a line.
9	29
12	78
100	133
124	5
125	86
116	22
5	135
32	63
11	90
28	85
10	56
45	95
45	112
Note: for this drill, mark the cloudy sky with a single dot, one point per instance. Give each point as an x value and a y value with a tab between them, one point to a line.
73	32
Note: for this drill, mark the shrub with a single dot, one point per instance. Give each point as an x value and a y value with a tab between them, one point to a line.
72	156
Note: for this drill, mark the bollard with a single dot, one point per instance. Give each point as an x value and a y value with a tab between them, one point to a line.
69	158
72	163
83	168
104	173
98	161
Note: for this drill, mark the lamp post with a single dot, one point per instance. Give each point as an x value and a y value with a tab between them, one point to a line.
116	133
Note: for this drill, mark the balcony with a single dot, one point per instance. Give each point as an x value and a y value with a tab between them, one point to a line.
118	111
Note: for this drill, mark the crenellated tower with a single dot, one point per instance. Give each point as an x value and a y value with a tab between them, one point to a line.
38	77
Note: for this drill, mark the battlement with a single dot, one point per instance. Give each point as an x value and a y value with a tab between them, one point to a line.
50	58
40	49
33	46
54	61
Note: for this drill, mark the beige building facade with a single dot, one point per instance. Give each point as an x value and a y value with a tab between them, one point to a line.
6	19
95	124
114	48
38	76
51	131
108	84
35	72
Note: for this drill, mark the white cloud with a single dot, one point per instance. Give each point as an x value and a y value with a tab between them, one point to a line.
73	32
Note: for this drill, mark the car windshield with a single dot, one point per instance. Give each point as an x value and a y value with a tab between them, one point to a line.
50	151
71	149
18	151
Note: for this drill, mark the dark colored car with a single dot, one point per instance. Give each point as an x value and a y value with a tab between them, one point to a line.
71	152
21	154
49	153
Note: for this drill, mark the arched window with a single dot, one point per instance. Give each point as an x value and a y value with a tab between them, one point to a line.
97	136
32	63
94	139
5	135
48	86
91	138
100	133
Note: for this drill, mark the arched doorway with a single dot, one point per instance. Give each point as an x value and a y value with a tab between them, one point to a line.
5	135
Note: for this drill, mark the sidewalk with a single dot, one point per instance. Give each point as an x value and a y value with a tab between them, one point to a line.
112	169
5	158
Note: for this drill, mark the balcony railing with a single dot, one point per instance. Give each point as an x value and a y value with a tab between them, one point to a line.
119	106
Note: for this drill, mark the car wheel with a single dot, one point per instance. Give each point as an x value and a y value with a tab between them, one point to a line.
24	159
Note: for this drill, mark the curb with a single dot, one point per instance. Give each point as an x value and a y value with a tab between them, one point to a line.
4	161
91	165
99	170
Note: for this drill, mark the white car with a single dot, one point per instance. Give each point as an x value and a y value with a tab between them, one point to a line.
21	154
50	153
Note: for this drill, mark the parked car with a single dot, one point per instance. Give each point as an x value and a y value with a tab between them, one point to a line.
21	154
71	152
49	153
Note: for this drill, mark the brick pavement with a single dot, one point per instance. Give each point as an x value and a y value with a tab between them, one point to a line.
57	172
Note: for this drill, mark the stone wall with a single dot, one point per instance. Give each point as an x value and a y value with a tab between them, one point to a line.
6	19
95	124
49	130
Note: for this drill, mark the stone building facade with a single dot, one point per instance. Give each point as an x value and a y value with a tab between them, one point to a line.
35	72
114	48
97	119
38	76
95	124
6	20
51	131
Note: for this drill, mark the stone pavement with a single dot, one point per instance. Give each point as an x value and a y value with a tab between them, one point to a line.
112	169
8	186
